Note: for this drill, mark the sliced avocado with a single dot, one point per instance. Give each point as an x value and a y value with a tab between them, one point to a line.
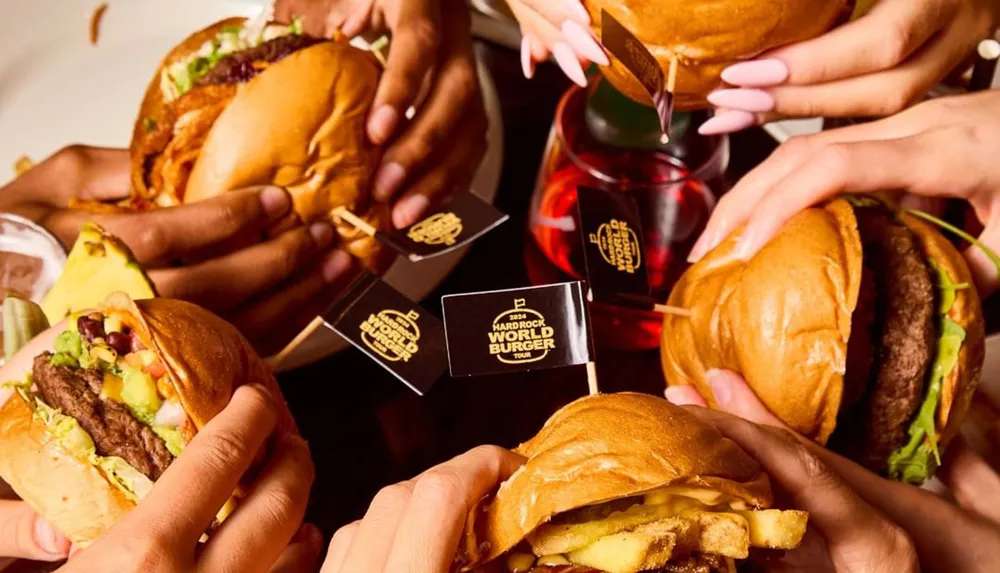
139	394
98	265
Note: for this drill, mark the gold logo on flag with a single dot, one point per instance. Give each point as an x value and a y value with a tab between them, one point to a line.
619	246
520	335
438	229
392	334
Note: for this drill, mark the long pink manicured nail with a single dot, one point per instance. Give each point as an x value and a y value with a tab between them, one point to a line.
527	63
570	65
756	74
699	249
747	245
728	122
578	10
584	43
742	99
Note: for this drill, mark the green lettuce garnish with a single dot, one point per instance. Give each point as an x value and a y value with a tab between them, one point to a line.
992	256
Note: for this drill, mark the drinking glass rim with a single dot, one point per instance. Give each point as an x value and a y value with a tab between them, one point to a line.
593	171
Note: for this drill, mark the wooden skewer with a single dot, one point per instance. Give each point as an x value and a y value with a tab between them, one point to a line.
352	219
276	361
672	74
592	379
673	310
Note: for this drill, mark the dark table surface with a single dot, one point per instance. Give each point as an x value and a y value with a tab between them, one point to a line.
367	430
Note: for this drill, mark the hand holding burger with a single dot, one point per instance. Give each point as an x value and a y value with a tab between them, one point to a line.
960	535
583	454
430	66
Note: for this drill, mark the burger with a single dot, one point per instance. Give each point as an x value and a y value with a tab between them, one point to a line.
707	37
245	103
858	325
95	419
623	483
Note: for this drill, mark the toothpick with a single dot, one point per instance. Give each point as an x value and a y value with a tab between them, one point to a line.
673	310
352	219
672	74
292	346
592	378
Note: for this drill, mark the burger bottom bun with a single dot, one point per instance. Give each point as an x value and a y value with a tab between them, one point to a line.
67	491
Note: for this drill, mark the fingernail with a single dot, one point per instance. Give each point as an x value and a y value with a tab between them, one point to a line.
747	245
275	201
334	21
578	10
721	387
409	210
585	44
382	123
699	248
527	63
48	539
354	24
756	74
678	395
742	99
335	265
388	180
312	535
322	234
570	65
728	122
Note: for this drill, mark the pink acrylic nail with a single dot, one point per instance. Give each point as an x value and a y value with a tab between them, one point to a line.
756	74
743	99
570	65
728	122
584	44
527	63
578	10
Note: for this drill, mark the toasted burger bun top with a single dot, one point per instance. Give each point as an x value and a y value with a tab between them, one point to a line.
708	36
782	319
207	358
607	447
301	125
960	385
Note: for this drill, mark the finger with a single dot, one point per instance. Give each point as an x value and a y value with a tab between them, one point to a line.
269	516
880	40
273	319
810	484
971	479
883	93
572	19
302	553
551	39
356	16
984	269
560	11
101	174
339	545
733	395
455	92
207	473
373	538
857	167
167	234
415	42
452	173
312	12
25	535
684	395
259	268
429	531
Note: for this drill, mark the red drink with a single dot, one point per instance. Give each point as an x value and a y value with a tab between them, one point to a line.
674	204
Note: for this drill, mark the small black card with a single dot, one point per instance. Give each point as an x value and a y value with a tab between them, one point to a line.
640	61
517	330
613	250
392	330
463	220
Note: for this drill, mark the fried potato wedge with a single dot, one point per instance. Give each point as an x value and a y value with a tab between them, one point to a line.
646	547
775	528
553	539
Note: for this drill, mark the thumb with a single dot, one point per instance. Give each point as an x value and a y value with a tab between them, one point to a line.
733	395
25	535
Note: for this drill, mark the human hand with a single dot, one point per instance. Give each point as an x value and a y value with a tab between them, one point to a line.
263	534
430	66
941	148
417	525
560	29
876	65
238	255
26	535
946	536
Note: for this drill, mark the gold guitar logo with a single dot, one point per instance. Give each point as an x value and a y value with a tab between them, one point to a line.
439	229
392	335
619	246
520	335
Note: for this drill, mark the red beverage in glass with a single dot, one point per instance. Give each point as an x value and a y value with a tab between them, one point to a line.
674	202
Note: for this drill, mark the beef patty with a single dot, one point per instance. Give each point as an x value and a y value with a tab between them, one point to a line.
896	312
115	431
244	65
